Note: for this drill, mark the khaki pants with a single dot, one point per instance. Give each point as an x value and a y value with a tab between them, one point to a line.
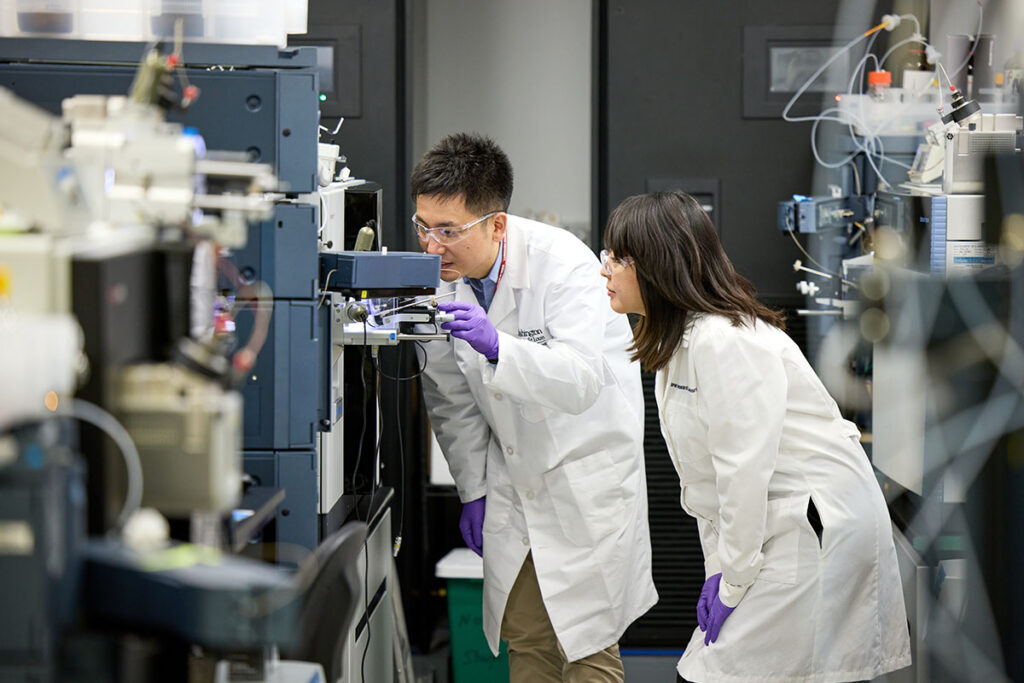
534	653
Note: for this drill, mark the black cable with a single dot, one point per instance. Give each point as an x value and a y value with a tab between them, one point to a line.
355	493
398	424
373	493
380	430
373	482
401	452
362	433
408	378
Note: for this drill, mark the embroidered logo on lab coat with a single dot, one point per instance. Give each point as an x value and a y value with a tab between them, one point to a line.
536	336
692	390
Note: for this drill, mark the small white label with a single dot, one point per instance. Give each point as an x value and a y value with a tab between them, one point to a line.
967	256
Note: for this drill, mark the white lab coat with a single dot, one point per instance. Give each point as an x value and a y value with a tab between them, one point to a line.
553	435
754	436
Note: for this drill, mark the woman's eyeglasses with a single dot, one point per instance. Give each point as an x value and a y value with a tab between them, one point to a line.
607	260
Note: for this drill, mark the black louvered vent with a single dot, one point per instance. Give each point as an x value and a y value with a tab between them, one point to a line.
796	324
678	562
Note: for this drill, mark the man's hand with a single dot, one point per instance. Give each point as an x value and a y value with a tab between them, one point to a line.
472	325
471	524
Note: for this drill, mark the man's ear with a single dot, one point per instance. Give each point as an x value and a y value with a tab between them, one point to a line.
500	225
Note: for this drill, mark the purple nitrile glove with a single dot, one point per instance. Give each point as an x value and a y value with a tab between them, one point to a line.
711	611
471	524
472	325
706	593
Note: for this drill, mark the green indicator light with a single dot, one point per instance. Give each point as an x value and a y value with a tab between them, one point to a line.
323	97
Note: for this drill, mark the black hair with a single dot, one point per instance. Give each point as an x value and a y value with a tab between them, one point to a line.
681	268
465	164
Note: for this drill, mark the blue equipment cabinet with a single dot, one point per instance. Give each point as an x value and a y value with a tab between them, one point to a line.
268	109
263	103
282	252
294	472
282	390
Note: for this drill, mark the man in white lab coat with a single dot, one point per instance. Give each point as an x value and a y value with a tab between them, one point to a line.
539	413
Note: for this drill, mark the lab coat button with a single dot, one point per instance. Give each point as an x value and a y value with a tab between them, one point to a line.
497	397
508	449
529	495
526	541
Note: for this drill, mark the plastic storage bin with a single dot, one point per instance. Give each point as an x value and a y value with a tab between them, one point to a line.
472	661
245	22
248	21
296	16
112	20
164	14
6	18
51	18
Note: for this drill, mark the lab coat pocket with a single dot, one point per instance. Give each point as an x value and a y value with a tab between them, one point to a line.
782	539
533	413
683	428
498	508
588	498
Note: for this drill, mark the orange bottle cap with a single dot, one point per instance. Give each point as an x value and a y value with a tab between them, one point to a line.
879	78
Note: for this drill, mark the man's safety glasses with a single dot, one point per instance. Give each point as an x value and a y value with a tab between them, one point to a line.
447	235
607	260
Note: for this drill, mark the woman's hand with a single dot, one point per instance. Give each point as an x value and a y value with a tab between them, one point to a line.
711	611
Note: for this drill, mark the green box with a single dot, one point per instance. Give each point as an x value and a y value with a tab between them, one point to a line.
472	661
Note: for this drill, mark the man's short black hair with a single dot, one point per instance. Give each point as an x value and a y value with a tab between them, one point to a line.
465	164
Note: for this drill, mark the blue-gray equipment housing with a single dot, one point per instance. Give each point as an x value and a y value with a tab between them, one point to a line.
395	271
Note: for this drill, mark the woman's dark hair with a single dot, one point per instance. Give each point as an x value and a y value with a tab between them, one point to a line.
469	165
681	268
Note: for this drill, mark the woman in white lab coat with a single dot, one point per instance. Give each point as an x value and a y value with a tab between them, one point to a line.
801	576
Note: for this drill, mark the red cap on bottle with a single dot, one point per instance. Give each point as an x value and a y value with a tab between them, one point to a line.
879	78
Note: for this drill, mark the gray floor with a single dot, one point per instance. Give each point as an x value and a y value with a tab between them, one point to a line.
650	669
432	668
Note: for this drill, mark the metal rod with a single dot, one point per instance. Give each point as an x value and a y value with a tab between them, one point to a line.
800	266
831	311
415	303
423	337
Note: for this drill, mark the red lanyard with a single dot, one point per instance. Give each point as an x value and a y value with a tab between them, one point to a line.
501	269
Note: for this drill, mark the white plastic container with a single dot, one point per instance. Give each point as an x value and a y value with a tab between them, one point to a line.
6	18
164	14
113	20
51	18
296	16
890	117
251	22
460	563
244	22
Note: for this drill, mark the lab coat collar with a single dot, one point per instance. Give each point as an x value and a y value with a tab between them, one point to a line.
464	292
691	320
517	273
661	382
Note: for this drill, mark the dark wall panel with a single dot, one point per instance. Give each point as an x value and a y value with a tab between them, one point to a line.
369	91
670	108
673	108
